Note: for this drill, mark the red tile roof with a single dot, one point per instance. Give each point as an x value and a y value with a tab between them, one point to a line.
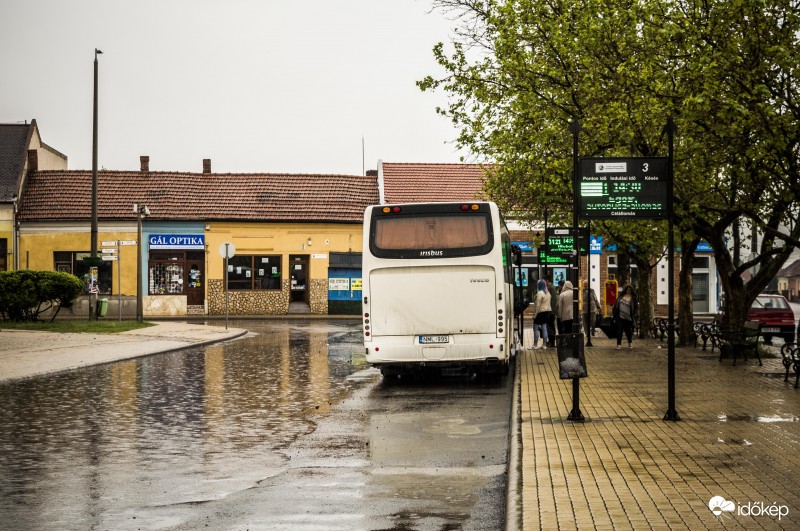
67	195
420	182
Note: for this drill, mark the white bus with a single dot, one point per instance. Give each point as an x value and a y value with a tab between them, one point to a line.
438	288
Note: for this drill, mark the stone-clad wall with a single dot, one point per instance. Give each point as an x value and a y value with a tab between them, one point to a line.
164	305
318	296
263	302
247	302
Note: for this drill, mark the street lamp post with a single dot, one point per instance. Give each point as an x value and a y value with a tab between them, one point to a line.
94	177
141	212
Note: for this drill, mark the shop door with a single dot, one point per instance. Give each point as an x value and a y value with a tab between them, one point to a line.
344	291
700	292
298	277
196	281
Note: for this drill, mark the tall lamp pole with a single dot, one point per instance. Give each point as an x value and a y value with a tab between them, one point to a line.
94	179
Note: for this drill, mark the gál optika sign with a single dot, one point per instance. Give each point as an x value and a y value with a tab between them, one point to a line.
178	241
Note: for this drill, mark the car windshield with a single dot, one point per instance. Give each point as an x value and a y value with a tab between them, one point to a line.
770	303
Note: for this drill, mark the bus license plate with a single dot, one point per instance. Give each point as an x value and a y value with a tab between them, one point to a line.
427	340
770	330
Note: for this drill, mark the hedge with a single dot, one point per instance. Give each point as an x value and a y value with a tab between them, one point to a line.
25	294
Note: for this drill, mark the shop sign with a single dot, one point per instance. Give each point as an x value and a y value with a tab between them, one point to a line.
178	241
338	284
525	247
596	245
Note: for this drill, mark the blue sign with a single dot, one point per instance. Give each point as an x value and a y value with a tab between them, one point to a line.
178	241
525	247
596	245
703	247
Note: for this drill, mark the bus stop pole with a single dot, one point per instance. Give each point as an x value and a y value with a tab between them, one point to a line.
672	412
575	414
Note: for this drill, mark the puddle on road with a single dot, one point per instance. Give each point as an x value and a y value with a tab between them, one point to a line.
174	428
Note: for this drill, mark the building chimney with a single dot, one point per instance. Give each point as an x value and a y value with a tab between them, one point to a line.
33	160
206	165
144	163
372	173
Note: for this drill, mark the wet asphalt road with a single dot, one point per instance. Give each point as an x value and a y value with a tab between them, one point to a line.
287	428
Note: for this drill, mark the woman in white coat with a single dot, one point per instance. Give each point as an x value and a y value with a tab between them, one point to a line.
541	312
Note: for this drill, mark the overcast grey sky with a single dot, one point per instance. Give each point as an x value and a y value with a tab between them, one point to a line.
254	85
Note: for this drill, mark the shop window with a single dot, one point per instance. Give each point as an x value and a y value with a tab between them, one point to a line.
72	262
165	278
165	273
345	260
254	272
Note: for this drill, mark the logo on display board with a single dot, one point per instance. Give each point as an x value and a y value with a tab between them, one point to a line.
178	241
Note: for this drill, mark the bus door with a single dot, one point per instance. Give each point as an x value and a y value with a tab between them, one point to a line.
298	277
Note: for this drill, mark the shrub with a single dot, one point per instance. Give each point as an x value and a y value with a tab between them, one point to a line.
25	294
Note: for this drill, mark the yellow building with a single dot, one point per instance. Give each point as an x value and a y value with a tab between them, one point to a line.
21	150
293	241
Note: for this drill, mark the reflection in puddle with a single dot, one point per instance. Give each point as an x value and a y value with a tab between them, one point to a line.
174	428
726	418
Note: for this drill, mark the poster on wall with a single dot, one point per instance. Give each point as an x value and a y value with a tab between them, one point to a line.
339	284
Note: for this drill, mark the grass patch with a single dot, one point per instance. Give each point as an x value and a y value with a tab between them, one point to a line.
76	326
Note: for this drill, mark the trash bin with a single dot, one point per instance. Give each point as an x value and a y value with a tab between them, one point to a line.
102	307
571	360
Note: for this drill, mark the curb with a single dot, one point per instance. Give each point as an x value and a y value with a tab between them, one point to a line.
514	475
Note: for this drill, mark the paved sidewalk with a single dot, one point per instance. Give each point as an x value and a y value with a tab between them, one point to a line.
24	353
626	468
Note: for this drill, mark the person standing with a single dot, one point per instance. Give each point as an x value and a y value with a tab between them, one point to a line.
541	311
551	317
589	311
564	309
625	312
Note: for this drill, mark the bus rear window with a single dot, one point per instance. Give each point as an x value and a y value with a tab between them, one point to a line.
453	235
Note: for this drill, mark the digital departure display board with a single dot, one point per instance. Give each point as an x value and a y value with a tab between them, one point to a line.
561	245
618	188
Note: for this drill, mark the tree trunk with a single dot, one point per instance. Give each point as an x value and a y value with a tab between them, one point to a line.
644	292
685	309
623	270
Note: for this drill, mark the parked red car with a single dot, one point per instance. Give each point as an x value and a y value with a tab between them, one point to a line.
775	315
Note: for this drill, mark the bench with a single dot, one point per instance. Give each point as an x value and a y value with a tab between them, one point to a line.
660	328
791	360
744	340
709	332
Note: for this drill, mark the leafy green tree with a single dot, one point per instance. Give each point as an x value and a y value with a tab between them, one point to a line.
520	71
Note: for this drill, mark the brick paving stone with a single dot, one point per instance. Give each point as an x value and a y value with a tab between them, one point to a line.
627	468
